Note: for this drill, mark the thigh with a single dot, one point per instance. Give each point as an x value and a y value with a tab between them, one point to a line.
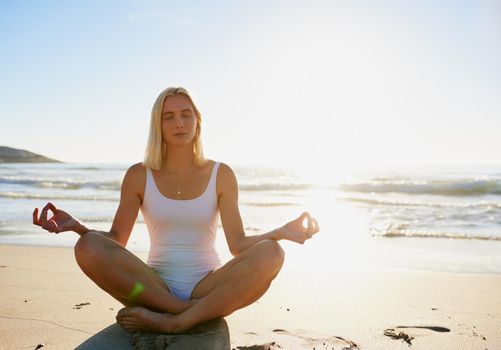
93	251
219	275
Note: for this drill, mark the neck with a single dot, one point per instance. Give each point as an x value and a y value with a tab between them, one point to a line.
180	160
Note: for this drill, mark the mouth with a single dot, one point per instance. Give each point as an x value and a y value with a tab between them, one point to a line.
179	134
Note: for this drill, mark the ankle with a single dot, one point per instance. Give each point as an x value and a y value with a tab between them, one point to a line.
178	325
184	306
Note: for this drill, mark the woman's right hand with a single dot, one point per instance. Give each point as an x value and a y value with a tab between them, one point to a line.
61	221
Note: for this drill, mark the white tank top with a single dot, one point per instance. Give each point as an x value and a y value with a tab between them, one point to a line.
182	232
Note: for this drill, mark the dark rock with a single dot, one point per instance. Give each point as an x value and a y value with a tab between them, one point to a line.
14	155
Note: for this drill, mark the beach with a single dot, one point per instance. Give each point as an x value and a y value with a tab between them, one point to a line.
405	259
47	301
374	124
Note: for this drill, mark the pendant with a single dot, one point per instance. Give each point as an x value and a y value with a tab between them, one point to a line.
178	192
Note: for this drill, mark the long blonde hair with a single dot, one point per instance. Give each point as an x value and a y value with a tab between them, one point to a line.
155	147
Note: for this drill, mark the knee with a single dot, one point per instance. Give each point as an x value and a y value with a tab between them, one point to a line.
87	248
271	254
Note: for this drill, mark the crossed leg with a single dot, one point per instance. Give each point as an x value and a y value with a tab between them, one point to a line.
123	275
238	283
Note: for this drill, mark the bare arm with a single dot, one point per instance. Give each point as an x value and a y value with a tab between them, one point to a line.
131	198
231	220
125	217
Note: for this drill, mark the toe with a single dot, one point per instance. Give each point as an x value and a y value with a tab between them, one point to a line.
126	311
121	312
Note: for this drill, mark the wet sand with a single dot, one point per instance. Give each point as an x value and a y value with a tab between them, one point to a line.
48	303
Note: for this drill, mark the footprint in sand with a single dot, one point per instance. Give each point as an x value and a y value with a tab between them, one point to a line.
390	332
268	346
297	339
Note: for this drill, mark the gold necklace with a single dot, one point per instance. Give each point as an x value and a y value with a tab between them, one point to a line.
183	183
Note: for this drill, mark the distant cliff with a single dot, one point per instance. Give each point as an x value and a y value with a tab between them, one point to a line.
14	155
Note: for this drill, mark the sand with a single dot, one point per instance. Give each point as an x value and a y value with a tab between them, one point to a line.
48	303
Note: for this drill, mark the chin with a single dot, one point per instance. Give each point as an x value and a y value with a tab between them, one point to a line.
180	142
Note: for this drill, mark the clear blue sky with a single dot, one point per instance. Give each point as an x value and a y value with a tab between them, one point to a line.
310	82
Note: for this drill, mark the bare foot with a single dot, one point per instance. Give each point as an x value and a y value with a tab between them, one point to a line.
139	318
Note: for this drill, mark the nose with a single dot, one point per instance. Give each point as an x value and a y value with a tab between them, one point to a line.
179	122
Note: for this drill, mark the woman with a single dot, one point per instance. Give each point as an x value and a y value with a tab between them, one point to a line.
179	194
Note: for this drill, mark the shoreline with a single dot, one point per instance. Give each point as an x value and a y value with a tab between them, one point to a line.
143	253
403	254
43	286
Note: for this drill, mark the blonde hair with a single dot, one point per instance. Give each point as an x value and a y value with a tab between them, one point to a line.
155	147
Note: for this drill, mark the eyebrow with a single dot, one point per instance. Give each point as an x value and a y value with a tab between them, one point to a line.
184	110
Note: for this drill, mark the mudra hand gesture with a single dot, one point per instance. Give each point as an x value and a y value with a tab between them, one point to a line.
61	221
295	230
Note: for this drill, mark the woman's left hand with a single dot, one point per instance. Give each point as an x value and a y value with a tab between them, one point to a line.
295	230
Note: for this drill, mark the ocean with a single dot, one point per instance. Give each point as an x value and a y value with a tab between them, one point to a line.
439	218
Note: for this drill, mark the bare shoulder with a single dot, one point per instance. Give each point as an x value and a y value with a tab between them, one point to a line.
226	180
137	168
135	179
136	172
225	173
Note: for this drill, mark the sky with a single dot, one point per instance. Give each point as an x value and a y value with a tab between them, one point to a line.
311	84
